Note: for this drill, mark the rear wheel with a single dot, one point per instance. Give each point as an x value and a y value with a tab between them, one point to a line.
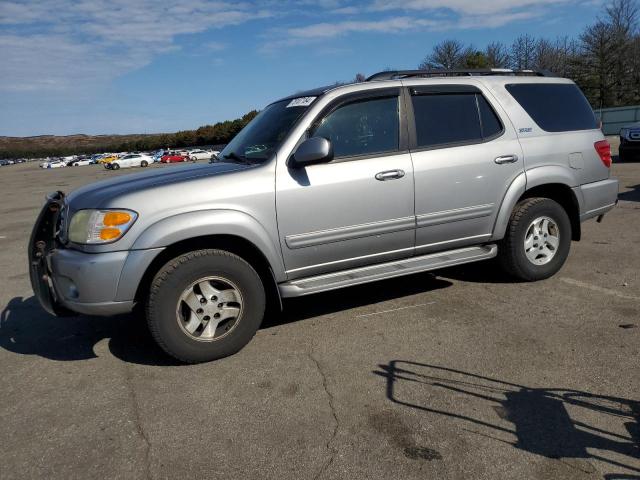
205	305
537	240
144	163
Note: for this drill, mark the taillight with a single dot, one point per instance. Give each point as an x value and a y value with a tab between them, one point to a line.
603	147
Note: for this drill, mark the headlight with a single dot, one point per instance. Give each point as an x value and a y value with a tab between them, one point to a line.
100	226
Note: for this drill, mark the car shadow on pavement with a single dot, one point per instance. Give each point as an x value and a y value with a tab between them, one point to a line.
302	308
487	271
25	328
566	425
632	195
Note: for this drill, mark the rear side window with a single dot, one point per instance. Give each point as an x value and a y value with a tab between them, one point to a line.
453	118
555	107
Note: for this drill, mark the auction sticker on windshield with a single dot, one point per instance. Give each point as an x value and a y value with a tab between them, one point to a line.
301	102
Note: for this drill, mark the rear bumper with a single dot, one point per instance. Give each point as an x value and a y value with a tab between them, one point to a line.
597	198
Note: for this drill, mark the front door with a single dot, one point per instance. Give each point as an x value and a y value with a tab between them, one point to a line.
358	208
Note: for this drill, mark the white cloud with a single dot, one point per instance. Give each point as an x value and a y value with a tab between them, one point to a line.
430	15
463	7
58	44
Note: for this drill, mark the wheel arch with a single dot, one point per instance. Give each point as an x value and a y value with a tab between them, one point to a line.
555	184
237	245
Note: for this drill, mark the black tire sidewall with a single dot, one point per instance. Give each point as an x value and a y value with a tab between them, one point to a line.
553	210
161	312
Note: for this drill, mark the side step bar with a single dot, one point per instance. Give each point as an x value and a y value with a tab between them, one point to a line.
357	276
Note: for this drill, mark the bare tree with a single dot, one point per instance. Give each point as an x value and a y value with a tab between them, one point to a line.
497	55
596	62
622	18
359	78
446	54
523	52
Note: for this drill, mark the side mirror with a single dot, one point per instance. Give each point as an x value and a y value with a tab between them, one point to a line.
312	150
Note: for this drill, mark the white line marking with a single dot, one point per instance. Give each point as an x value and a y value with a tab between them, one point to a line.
598	289
394	310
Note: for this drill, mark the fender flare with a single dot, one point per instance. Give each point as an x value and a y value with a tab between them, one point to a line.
202	223
551	174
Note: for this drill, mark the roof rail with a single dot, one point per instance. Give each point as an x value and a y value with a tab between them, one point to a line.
398	74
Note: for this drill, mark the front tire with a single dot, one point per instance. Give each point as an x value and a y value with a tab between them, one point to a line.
205	305
538	239
144	163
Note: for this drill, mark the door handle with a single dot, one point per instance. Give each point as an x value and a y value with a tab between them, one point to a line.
389	175
506	159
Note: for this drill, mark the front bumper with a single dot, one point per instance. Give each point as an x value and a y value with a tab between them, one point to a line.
66	281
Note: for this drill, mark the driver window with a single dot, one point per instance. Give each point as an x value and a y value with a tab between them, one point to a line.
362	127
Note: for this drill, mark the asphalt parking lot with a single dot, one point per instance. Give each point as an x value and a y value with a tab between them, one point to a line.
455	374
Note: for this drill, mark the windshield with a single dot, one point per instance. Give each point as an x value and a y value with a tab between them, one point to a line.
264	134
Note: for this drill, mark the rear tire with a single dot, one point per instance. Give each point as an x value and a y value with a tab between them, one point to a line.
144	163
178	328
537	240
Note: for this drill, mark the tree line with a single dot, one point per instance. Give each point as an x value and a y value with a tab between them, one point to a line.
604	60
34	147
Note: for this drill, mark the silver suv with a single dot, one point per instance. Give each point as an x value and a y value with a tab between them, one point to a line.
406	172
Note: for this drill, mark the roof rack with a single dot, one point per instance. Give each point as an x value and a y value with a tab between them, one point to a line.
398	74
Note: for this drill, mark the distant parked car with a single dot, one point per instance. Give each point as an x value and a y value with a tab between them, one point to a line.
174	157
630	142
108	158
157	156
84	161
199	154
56	164
131	160
4	162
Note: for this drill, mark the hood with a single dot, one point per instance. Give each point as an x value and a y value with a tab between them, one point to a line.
94	195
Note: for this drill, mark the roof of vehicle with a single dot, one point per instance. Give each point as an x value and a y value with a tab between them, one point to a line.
488	77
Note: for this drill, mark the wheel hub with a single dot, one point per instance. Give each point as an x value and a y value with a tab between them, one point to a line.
209	308
542	240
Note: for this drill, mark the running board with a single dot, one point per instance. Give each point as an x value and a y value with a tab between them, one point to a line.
406	266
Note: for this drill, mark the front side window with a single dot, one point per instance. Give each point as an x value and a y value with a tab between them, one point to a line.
363	127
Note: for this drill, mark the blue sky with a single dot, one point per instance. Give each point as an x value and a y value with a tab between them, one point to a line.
127	66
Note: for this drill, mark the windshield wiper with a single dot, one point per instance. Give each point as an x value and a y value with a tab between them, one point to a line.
237	158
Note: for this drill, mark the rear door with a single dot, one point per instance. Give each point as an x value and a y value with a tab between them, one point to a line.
465	155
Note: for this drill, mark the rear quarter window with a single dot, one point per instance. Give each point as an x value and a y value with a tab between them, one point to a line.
555	107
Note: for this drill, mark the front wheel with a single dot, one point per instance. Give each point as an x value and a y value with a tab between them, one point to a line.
205	305
537	240
193	159
144	163
115	166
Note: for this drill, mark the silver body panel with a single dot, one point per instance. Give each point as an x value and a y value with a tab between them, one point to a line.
336	217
